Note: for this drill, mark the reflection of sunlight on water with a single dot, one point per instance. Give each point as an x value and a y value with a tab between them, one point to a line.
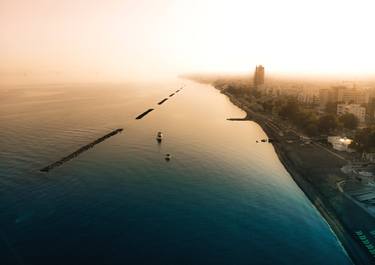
220	185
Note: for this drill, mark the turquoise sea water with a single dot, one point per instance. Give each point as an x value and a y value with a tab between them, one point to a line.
222	199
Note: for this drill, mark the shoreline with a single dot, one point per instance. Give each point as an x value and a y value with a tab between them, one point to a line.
353	249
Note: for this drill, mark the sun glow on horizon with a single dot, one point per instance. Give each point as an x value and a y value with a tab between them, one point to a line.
138	39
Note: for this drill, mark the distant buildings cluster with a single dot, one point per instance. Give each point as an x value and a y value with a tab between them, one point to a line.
307	96
357	101
343	94
349	100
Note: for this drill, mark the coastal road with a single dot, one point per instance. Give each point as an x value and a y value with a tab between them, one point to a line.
333	153
277	127
316	169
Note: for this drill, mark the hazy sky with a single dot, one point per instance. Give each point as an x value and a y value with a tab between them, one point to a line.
121	39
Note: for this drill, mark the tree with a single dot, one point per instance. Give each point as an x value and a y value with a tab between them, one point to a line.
255	92
349	121
307	121
289	110
364	140
327	123
303	118
267	106
311	129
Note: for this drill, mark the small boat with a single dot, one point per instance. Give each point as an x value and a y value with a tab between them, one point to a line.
168	157
159	136
263	140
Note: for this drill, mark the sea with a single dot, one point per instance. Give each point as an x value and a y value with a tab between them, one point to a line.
222	198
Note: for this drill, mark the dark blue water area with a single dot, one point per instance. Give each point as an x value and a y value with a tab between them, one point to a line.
221	199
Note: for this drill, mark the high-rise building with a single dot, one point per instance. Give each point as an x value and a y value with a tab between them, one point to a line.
355	109
259	75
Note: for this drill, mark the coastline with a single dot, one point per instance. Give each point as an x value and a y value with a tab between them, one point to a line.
321	201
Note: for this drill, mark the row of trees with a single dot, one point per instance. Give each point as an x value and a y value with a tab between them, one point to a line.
312	125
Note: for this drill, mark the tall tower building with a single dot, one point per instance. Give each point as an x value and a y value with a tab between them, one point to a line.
259	75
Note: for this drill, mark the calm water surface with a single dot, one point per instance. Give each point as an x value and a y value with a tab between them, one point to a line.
222	199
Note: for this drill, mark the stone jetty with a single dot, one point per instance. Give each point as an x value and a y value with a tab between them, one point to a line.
143	114
80	151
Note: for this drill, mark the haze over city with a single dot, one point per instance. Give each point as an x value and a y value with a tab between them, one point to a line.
114	40
189	132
